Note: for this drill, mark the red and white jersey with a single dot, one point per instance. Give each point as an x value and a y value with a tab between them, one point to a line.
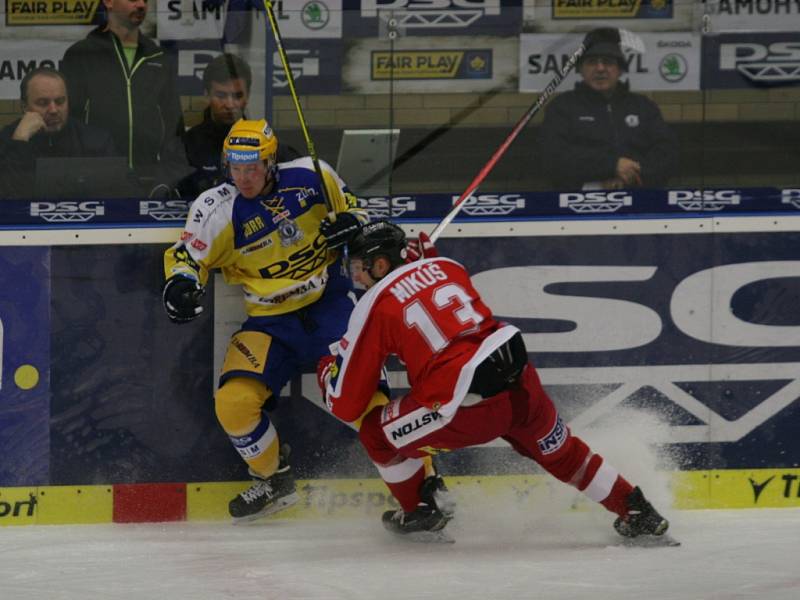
430	316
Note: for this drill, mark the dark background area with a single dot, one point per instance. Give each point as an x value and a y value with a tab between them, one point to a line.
711	154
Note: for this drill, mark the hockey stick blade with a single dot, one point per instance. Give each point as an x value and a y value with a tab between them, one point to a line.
631	42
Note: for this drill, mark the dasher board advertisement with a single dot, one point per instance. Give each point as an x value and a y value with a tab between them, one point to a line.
31	13
196	19
748	60
452	64
376	18
753	15
21	56
671	61
551	16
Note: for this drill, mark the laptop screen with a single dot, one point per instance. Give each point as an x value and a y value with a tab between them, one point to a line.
365	160
75	178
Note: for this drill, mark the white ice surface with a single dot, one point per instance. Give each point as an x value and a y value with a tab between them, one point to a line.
508	547
499	554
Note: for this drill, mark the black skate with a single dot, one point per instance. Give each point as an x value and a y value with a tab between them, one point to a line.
643	521
266	496
426	522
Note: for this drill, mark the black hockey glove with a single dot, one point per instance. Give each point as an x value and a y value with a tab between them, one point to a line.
181	297
340	231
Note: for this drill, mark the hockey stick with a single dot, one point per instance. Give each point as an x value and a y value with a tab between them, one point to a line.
535	107
276	33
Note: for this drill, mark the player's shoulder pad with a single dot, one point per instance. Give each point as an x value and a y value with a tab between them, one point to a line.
439	259
304	162
214	201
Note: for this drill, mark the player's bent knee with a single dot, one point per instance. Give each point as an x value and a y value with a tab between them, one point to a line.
378	399
238	404
371	433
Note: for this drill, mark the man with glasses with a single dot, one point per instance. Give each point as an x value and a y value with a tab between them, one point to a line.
601	135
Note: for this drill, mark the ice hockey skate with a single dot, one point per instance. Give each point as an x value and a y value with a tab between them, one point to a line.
426	522
643	525
267	495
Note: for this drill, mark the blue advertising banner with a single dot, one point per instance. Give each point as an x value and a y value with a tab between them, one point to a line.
374	18
132	393
743	60
24	366
700	331
489	206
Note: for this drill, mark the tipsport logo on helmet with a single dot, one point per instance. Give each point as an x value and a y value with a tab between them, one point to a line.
242	156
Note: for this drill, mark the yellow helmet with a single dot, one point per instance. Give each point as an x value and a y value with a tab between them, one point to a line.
250	141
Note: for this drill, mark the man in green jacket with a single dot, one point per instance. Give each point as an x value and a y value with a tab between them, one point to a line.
121	80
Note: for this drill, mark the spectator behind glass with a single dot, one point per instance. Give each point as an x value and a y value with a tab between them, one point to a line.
121	80
45	131
227	80
601	135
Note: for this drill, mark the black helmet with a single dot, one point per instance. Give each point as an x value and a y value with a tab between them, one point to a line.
380	238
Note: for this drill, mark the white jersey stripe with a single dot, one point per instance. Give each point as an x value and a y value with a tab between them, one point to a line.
400	472
602	482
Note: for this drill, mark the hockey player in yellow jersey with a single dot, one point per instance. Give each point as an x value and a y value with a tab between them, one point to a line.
268	230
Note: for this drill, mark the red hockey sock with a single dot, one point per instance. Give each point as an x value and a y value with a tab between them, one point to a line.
616	500
602	483
407	492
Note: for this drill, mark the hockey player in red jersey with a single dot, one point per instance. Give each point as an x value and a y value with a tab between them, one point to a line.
470	381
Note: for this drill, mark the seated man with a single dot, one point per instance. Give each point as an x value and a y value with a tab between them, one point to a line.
601	135
471	382
44	130
227	81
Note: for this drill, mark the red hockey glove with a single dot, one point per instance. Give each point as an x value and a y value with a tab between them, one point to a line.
326	368
421	247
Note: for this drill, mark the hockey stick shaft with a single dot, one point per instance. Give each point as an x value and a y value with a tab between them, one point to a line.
276	34
535	107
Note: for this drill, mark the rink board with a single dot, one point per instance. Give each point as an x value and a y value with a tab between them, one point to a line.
691	320
349	498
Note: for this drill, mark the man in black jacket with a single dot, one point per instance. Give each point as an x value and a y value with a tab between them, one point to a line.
601	135
227	81
121	81
45	131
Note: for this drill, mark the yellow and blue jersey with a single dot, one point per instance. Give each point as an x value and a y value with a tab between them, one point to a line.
270	245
